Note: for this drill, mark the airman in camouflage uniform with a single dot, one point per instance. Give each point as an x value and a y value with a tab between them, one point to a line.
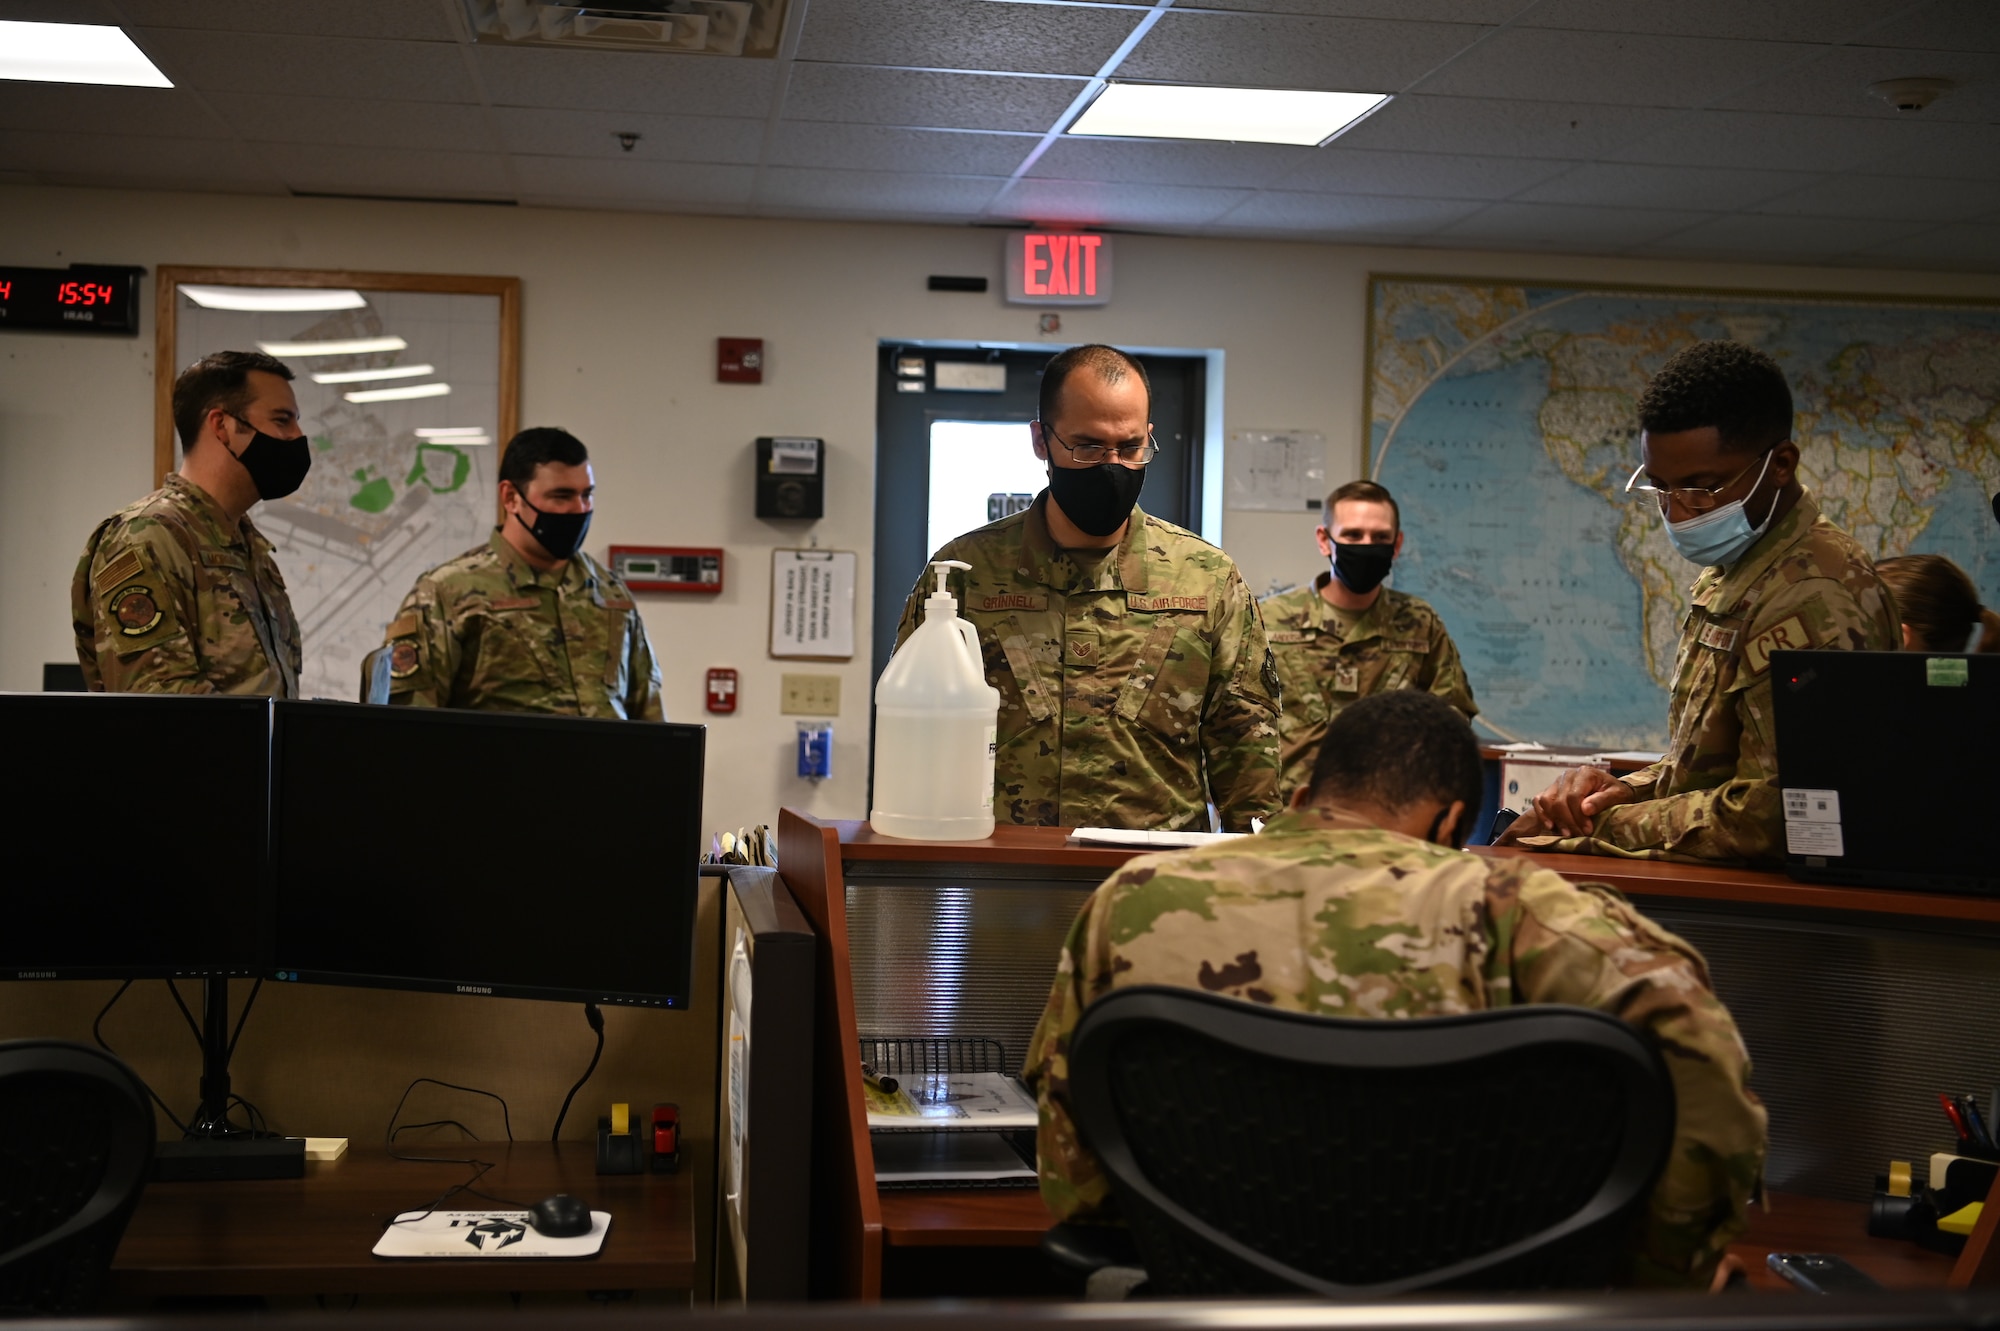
1135	683
489	631
1714	794
172	597
1328	659
1327	913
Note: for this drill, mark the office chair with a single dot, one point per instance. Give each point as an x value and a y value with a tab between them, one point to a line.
375	676
76	1146
1254	1151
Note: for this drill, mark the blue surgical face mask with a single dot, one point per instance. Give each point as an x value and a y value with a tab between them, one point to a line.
1721	535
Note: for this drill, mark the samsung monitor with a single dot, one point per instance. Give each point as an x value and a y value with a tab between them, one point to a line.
486	852
1886	763
135	835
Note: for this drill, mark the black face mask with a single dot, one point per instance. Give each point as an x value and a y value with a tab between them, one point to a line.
1457	832
276	466
561	534
1097	499
1362	567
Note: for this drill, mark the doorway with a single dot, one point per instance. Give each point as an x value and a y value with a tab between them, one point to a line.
948	461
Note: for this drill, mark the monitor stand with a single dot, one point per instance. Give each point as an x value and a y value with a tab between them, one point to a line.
216	1148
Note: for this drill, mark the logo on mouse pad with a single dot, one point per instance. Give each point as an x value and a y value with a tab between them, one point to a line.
492	1235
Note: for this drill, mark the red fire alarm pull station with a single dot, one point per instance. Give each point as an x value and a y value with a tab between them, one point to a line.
721	690
669	568
739	360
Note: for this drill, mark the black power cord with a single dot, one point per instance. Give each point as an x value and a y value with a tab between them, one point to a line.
596	1020
97	1033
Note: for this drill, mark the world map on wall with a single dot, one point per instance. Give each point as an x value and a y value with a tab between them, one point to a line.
1503	419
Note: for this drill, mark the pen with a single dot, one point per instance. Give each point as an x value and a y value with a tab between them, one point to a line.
1958	1123
1981	1136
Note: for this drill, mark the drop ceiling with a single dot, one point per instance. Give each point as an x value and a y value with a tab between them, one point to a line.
1726	129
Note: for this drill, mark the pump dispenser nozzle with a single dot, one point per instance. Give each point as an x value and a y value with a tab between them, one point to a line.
941	601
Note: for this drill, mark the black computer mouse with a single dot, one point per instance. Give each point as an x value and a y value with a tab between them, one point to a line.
560	1217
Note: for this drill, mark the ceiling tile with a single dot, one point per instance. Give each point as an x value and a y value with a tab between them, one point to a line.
1560	226
633	81
965	34
1761	139
1967	245
1836	84
1761	20
58	11
876	193
1502	128
1942	149
108	158
1284	210
394	19
545	132
1615	68
330	66
1419	175
858	94
1085	203
320	168
1158	162
885	148
1619	185
163	112
1783	239
1889	199
556	179
1287	51
1412	11
355	122
1951	25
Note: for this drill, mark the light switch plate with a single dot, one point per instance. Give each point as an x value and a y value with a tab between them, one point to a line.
811	695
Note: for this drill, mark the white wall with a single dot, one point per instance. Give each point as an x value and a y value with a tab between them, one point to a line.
620	316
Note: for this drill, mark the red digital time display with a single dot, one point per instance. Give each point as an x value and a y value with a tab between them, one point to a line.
80	299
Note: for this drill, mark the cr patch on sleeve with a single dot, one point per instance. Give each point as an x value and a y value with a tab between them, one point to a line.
1789	635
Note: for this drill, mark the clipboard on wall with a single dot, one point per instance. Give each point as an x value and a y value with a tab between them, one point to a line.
812	604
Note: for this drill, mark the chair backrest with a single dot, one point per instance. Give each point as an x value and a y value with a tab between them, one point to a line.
76	1146
1255	1151
375	676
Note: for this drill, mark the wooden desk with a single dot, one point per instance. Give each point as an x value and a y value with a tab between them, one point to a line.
313	1235
1813	1224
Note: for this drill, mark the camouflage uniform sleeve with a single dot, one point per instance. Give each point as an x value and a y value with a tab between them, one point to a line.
645	704
134	599
423	651
1239	723
1073	1183
1585	944
1741	820
1444	675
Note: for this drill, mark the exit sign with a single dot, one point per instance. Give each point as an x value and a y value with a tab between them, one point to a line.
1058	268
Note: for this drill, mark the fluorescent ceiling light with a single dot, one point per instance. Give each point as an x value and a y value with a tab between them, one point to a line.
353	346
75	53
273	299
360	376
1241	115
450	431
398	394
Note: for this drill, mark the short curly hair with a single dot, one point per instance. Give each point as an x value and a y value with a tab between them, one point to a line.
1737	389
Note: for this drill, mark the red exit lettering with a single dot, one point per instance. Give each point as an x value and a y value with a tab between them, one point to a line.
6	291
1069	260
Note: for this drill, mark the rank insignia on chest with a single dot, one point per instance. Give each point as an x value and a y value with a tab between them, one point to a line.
136	611
1346	678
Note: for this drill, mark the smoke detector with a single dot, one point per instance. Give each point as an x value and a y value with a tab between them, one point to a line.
1910	94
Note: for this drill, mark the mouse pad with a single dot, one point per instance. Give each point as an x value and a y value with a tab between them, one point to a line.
484	1234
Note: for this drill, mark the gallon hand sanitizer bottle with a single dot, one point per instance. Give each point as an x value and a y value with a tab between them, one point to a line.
935	719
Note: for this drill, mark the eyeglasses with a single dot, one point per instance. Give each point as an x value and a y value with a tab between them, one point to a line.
1128	454
1694	501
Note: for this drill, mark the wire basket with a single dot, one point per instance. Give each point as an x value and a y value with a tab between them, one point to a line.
931	1056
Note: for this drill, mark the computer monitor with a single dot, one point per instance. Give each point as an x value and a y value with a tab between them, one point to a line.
135	835
486	853
1886	764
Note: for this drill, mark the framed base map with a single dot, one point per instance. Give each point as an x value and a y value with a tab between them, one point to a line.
1502	416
